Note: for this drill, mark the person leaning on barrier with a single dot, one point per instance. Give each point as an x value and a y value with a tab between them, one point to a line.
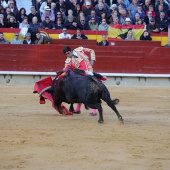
104	41
145	36
28	39
79	35
2	40
16	39
64	34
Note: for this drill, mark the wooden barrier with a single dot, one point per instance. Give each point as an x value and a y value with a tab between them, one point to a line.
111	59
73	41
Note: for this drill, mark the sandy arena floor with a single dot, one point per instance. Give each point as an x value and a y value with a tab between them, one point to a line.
34	137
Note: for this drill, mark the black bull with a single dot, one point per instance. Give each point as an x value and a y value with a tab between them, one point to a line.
75	88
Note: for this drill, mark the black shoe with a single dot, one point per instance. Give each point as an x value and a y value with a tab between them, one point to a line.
93	114
71	109
78	112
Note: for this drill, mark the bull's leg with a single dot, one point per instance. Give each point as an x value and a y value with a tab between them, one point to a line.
110	104
99	108
71	109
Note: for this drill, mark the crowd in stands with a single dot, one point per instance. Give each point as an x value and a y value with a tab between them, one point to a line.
85	15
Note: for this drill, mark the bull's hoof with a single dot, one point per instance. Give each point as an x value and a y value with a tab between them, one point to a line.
100	121
121	120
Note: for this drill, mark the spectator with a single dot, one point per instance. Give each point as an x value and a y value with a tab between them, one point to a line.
8	14
162	22
13	7
33	13
152	26
87	9
47	24
28	39
145	36
81	15
105	5
104	16
64	34
133	7
113	15
140	11
148	17
82	25
2	25
124	14
70	13
77	10
5	3
103	26
93	25
92	15
79	35
104	41
16	39
47	13
130	35
115	21
58	24
128	21
24	27
2	40
151	9
162	3
59	16
53	8
39	39
33	29
2	10
100	9
146	5
21	14
136	19
71	24
12	23
43	6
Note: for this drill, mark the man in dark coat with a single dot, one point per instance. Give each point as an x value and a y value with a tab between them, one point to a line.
79	35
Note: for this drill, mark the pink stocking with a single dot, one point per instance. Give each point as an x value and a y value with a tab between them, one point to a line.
94	111
78	107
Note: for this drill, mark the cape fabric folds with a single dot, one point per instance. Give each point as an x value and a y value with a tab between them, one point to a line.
42	84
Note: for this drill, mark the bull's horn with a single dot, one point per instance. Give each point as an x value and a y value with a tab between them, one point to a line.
44	90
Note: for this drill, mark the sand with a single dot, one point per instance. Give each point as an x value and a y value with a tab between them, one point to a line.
35	137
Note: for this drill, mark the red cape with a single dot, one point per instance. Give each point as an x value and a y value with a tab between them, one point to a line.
42	84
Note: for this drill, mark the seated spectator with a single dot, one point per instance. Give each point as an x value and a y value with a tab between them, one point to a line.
163	4
103	26
77	10
145	36
104	41
162	22
70	13
58	24
71	24
28	39
39	38
132	7
124	14
130	35
104	4
100	9
33	13
93	25
2	40
2	10
140	22
59	16
21	15
64	34
8	14
115	21
148	17
13	7
151	9
92	15
53	8
104	16
2	25
140	11
16	39
44	5
79	35
81	15
161	9
145	5
113	15
82	24
128	21
24	23
113	8
12	23
34	26
152	26
47	13
87	9
47	24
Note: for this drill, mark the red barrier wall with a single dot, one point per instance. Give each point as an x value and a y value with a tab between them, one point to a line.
112	59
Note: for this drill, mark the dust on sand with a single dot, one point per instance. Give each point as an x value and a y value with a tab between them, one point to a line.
33	136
